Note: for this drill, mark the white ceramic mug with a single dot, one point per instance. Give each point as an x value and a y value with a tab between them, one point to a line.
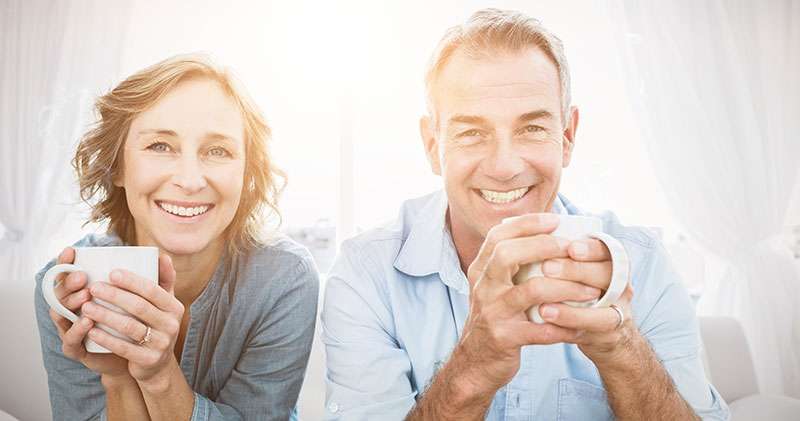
576	227
97	263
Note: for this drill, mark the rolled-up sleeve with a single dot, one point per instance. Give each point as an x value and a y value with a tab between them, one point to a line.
368	374
670	325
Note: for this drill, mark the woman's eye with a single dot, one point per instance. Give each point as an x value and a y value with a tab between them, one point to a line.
218	152
159	147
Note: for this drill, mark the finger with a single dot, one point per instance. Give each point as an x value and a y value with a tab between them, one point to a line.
75	300
131	303
596	274
72	340
589	250
69	284
66	256
144	288
520	226
166	273
542	290
510	254
122	348
529	333
61	322
123	324
601	319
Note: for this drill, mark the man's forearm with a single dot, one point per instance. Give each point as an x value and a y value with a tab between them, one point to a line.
124	400
639	387
451	396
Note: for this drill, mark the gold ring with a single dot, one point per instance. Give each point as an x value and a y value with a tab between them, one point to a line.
147	336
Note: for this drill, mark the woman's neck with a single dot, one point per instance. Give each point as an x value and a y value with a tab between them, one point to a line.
194	271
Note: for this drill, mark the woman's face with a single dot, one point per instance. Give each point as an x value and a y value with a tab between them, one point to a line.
183	168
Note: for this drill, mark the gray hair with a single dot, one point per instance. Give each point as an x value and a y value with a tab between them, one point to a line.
489	31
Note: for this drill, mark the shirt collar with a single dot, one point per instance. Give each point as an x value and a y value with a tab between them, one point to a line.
429	247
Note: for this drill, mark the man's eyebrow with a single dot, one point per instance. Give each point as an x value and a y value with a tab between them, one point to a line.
534	115
468	119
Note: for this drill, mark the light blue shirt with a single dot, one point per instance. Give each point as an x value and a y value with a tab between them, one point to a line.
395	305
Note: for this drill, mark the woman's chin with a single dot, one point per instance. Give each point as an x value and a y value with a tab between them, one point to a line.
183	247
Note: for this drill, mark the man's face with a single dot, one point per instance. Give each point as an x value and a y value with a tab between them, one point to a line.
497	137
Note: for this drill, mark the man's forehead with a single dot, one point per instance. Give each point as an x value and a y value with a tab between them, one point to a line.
527	76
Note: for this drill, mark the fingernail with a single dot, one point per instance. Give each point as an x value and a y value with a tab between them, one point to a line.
87	307
552	267
592	291
549	312
96	287
579	249
115	275
86	322
548	218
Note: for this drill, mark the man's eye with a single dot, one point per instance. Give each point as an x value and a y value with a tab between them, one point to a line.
218	152
470	133
158	147
532	129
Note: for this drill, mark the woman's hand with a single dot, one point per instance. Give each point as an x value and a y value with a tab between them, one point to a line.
153	324
72	293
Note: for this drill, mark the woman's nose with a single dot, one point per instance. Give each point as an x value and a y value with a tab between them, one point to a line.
189	175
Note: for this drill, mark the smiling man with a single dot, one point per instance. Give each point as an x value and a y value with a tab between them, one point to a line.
421	318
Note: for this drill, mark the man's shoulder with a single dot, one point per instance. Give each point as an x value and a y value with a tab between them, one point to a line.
385	240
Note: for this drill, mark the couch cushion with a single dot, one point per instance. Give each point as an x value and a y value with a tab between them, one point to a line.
765	407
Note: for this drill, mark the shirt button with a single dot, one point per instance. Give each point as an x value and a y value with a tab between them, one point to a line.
333	407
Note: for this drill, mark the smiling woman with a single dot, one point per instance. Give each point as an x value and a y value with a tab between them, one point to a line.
178	160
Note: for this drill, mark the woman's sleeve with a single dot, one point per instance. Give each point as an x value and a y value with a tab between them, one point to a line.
75	391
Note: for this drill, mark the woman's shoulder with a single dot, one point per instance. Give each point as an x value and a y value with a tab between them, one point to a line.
281	264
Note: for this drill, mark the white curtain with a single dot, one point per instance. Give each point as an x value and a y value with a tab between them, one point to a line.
716	91
54	57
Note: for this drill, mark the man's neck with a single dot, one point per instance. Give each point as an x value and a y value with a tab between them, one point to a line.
467	243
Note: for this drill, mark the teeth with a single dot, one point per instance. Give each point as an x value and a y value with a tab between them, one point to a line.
180	210
503	197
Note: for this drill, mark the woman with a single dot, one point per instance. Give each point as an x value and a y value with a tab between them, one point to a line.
178	160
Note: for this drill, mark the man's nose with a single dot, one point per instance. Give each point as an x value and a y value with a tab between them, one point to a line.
189	175
504	162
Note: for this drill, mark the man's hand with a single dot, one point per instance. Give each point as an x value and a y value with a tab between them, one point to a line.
497	327
598	334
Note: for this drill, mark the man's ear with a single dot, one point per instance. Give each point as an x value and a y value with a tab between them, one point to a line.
570	136
428	133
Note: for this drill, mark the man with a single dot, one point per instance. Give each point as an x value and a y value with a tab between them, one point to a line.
421	319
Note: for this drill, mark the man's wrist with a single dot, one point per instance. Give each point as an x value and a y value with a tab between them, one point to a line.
463	385
625	355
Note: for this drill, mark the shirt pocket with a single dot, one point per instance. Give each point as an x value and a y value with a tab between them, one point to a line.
579	400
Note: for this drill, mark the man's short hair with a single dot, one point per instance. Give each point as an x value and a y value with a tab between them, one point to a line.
489	31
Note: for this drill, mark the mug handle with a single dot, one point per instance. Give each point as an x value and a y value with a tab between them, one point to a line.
48	289
620	269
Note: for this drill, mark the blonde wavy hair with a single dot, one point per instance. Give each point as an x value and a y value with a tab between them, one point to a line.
99	155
